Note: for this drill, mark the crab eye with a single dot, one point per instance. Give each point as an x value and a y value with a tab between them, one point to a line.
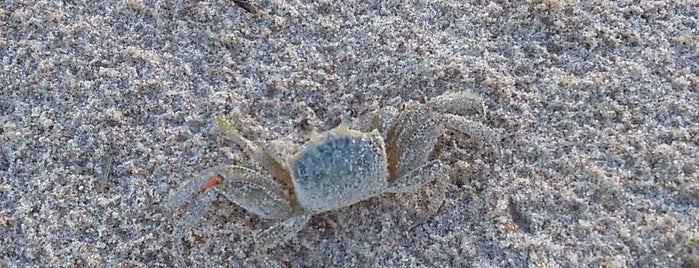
349	112
304	126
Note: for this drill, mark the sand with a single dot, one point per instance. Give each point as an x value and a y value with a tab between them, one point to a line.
107	108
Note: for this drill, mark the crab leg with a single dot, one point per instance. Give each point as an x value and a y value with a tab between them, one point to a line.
458	103
187	192
381	120
256	192
281	232
410	140
191	216
474	130
202	197
265	155
411	182
242	186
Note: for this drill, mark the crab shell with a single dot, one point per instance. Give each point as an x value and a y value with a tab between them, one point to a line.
342	168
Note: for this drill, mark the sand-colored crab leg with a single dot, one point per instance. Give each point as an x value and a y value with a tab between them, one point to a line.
411	182
243	186
256	192
197	195
451	106
459	103
188	192
281	232
411	139
230	132
474	130
191	217
267	156
381	120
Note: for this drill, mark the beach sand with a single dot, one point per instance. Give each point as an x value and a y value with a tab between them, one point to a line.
107	108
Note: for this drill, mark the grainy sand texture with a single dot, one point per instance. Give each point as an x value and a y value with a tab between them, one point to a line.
107	107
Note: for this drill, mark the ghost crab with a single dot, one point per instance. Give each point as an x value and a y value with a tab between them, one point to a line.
385	152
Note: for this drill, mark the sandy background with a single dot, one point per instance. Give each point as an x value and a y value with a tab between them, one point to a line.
106	108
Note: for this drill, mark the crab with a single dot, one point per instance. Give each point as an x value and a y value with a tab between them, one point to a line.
385	152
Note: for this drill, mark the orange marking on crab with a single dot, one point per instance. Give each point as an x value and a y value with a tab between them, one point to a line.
216	179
